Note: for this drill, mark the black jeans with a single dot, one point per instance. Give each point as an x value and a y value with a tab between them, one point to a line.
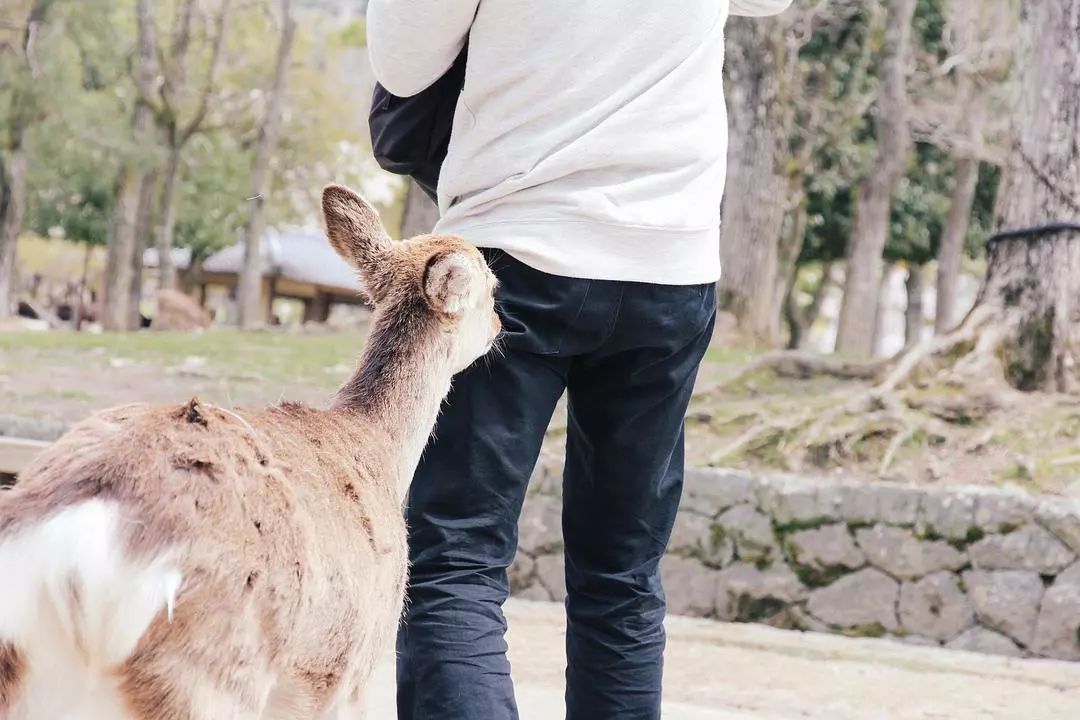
627	354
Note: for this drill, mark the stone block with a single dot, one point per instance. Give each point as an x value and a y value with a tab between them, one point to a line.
1029	548
980	640
865	598
1006	600
948	514
551	572
520	572
898	552
936	607
1003	511
710	491
540	526
1057	631
751	532
696	535
1062	518
690	586
898	504
825	550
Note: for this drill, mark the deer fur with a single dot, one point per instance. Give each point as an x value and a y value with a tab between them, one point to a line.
186	562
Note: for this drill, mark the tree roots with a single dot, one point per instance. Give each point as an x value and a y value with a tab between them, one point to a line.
923	395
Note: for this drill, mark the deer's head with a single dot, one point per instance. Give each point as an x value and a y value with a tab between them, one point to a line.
438	287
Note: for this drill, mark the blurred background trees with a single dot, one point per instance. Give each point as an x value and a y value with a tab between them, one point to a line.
868	142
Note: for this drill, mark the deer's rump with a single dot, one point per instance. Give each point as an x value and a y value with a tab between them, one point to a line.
186	562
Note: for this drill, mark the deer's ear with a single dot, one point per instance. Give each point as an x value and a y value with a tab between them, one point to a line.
354	230
451	282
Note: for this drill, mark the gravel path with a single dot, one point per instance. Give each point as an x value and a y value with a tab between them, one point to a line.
747	672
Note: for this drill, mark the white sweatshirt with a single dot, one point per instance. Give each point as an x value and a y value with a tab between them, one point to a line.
590	140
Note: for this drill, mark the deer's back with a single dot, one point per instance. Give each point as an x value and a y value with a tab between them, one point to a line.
292	543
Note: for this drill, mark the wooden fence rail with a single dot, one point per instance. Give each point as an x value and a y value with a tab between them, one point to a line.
17	453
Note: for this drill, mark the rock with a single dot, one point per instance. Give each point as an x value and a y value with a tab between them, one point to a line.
1029	548
1006	600
825	549
749	594
1003	511
935	607
551	572
898	504
858	503
690	586
1062	518
898	552
1057	631
178	311
751	532
950	514
695	535
520	572
791	500
865	598
540	526
981	640
710	491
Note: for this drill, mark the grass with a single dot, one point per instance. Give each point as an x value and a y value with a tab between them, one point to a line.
317	358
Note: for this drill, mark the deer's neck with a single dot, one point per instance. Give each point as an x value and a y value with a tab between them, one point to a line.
399	384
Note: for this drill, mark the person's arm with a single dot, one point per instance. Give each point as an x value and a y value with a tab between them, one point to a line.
758	8
412	43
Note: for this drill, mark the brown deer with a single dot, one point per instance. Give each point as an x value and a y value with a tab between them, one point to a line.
188	562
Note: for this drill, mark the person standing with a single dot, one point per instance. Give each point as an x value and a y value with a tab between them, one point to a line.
587	161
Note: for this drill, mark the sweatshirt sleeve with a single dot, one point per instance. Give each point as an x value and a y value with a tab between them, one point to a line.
758	8
412	43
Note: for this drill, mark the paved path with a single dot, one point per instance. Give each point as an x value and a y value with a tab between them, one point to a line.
716	671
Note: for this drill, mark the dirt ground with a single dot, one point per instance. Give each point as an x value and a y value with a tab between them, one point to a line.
50	380
715	671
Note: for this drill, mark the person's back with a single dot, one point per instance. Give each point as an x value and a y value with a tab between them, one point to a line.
587	161
585	129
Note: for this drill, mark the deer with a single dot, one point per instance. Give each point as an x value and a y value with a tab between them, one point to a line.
192	562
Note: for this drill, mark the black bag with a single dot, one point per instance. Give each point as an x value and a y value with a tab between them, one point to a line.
410	136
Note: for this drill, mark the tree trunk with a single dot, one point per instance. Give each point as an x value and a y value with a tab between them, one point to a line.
163	238
144	224
15	170
754	202
801	321
951	249
177	135
870	226
913	313
252	312
420	213
12	208
122	232
1033	282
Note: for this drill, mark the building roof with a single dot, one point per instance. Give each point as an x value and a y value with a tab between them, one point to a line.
299	254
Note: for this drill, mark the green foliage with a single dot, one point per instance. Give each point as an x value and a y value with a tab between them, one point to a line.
78	113
354	34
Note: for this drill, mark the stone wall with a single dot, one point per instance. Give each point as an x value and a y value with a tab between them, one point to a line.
974	568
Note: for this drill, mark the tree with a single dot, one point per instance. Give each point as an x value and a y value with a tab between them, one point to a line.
123	231
249	297
754	207
178	131
869	231
1031	297
25	109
